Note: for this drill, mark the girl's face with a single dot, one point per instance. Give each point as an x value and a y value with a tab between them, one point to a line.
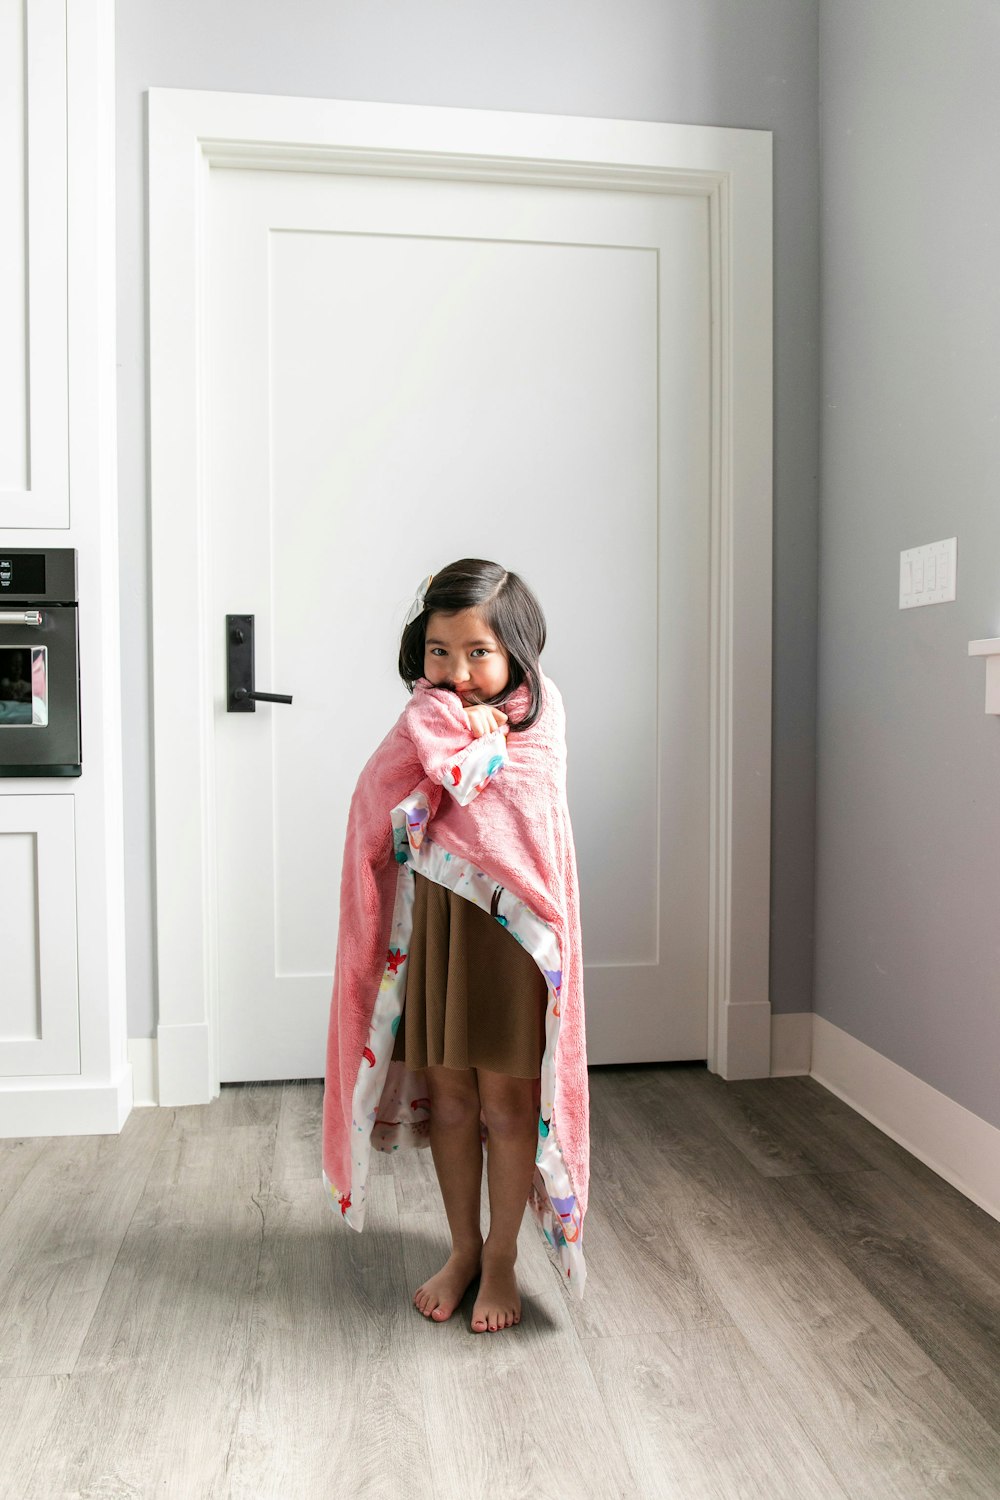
462	653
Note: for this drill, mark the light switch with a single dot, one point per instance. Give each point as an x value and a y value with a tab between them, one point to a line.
927	575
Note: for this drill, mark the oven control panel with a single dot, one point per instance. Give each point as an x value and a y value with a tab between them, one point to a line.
22	573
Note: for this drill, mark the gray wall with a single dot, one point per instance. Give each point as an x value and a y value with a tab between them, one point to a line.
908	829
750	63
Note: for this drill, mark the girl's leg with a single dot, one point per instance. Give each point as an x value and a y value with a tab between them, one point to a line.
509	1110
458	1157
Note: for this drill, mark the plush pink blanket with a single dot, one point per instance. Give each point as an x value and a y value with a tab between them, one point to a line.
488	818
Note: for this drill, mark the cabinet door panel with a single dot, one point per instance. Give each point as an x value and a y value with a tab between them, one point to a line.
39	1000
34	477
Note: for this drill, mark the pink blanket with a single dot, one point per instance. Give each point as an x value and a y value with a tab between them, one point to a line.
501	837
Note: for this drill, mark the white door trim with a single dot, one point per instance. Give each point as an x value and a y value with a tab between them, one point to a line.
190	132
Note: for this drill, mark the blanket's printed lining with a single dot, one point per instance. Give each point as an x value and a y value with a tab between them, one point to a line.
388	1109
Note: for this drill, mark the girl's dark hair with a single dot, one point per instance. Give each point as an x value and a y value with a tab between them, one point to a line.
510	610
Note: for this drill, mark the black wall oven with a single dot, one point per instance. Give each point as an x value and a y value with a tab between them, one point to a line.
39	663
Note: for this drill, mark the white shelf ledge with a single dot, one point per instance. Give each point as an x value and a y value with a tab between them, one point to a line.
991	650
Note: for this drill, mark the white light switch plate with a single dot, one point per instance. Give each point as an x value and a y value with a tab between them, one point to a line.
927	574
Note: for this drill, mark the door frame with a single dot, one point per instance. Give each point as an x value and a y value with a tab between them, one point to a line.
192	131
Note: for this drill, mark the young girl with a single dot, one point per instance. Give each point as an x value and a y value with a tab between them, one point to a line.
457	1008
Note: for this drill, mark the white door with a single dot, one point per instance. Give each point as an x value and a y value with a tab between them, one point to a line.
400	372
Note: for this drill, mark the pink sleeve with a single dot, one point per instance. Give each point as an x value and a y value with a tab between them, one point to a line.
446	747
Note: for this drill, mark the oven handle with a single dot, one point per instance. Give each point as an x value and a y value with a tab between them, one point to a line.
20	617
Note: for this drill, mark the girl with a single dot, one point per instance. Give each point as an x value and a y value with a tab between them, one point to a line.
457	1009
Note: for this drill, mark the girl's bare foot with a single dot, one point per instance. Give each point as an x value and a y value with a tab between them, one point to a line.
498	1303
441	1294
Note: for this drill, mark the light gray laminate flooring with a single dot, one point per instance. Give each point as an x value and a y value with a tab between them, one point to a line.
781	1302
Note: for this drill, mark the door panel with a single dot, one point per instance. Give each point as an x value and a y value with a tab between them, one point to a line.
402	372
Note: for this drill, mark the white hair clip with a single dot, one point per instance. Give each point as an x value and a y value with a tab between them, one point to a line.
417	606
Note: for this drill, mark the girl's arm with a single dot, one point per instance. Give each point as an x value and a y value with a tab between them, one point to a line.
437	724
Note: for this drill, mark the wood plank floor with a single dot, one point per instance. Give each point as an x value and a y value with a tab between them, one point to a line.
781	1303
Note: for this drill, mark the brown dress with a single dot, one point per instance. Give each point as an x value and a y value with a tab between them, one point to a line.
475	997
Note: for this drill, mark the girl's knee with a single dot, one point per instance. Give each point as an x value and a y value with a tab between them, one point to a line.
453	1091
508	1103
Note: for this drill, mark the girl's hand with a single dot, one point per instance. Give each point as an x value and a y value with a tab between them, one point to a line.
484	718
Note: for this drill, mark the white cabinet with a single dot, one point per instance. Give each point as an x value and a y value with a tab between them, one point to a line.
63	1062
40	1015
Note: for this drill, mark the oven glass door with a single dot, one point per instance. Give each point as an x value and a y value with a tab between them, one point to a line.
24	686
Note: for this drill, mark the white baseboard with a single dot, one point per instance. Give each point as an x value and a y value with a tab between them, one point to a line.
183	1062
61	1104
956	1144
142	1056
791	1044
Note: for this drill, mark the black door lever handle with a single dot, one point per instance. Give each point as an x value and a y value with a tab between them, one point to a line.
241	695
